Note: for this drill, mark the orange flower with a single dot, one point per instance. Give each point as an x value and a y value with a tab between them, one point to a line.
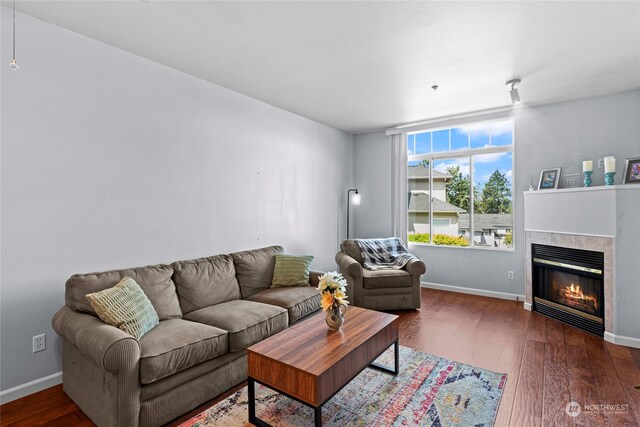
327	300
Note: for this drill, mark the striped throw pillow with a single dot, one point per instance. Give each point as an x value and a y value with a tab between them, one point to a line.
291	270
125	306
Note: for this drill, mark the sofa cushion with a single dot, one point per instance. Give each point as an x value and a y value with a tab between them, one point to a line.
351	248
298	301
247	322
379	279
254	269
126	307
291	270
155	281
205	281
175	345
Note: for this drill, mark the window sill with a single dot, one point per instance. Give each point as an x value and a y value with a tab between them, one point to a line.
481	248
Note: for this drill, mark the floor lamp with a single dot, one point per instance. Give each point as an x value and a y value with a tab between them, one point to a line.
356	201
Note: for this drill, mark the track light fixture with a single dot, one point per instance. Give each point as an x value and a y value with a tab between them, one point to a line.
515	96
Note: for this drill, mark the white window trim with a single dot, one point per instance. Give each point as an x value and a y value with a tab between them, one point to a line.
496	117
465	119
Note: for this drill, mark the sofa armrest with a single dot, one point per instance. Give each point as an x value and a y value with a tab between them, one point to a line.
348	266
109	347
314	277
416	267
351	270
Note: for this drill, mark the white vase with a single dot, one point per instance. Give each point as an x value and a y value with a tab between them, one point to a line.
335	316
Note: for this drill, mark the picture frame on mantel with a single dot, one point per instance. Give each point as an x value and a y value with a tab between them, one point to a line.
549	179
632	171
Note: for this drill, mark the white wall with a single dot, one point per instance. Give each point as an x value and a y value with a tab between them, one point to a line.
109	161
545	136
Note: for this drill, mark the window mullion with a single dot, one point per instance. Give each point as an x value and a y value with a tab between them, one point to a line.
472	230
430	142
431	198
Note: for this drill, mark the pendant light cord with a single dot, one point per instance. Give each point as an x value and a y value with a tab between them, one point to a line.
14	30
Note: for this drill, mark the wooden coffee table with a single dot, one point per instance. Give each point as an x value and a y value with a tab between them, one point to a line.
310	363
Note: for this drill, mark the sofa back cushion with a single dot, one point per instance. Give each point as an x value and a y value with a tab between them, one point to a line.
351	248
155	281
205	281
254	268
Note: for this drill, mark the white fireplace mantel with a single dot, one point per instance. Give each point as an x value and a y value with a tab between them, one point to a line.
587	211
604	219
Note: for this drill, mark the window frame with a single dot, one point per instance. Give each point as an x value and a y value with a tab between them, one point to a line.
469	153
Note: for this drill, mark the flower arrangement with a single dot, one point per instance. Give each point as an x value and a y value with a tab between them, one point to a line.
332	290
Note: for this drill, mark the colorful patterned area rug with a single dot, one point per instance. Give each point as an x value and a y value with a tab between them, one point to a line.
429	391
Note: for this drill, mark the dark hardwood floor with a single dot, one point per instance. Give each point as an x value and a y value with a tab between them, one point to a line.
548	365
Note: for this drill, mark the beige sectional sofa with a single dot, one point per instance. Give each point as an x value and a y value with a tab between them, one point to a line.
210	309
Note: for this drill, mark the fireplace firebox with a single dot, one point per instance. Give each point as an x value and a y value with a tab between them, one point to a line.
568	285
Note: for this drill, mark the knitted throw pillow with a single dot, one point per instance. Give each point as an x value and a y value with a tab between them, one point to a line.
291	270
125	306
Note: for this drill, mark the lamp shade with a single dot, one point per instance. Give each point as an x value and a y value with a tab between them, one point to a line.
356	199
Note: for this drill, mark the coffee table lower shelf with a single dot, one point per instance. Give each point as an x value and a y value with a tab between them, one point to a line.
317	410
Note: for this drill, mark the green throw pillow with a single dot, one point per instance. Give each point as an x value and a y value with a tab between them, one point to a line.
125	306
291	270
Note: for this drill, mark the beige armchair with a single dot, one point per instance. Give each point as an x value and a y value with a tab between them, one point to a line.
379	289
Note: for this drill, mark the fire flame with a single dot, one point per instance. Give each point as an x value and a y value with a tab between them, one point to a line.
576	293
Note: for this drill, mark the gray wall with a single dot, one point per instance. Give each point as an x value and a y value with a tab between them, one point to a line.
627	265
109	161
372	168
545	136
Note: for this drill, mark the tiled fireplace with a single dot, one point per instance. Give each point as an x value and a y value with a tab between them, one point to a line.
581	264
569	278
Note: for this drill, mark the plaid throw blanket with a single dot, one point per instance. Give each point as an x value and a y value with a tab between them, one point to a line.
378	254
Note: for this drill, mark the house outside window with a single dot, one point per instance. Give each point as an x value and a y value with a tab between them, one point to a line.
460	186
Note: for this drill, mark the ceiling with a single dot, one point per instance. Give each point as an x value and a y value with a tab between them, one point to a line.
360	66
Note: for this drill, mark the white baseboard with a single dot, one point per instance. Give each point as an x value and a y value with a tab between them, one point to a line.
472	291
528	306
26	389
620	340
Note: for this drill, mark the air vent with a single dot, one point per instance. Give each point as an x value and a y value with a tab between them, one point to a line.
580	257
595	328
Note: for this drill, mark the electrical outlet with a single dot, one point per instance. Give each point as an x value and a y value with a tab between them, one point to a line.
39	343
600	163
510	275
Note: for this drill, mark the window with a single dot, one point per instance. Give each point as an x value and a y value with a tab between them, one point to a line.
460	185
